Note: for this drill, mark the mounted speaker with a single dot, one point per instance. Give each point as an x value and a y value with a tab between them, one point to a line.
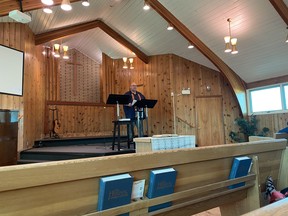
19	16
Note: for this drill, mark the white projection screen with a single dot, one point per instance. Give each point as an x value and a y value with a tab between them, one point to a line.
11	71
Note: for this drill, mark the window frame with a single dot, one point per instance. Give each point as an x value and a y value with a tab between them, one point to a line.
282	95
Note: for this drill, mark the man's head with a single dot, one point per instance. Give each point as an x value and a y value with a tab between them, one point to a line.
133	87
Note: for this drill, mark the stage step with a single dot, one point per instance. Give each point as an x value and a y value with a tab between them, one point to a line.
22	161
69	152
74	141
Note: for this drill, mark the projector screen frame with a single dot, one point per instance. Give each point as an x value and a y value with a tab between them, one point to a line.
23	64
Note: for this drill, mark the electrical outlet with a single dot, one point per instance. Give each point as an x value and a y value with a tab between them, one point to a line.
186	91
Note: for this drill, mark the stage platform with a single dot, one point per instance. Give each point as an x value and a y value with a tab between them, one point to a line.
71	148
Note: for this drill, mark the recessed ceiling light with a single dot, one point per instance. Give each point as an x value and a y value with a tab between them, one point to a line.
47	2
85	3
66	5
47	10
190	46
169	27
146	6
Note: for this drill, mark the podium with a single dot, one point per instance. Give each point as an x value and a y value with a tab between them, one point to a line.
147	104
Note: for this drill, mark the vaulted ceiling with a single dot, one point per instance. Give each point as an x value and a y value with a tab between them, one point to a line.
260	30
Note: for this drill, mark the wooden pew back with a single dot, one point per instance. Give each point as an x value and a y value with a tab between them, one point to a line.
71	187
279	208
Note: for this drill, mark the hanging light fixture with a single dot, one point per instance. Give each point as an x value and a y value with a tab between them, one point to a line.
230	43
56	50
125	66
234	48
146	6
170	27
65	52
47	2
85	3
227	44
66	5
47	10
131	63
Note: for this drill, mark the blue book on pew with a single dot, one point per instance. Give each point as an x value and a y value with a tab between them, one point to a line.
161	182
114	191
240	167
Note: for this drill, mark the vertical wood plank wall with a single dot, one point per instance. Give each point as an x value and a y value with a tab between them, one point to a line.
274	122
170	73
80	119
31	105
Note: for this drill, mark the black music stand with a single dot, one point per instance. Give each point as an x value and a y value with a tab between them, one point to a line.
118	99
145	103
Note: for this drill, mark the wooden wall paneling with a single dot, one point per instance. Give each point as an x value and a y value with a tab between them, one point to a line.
274	122
83	120
170	73
31	105
34	90
236	82
183	74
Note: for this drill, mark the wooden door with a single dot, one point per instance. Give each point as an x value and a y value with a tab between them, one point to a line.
209	120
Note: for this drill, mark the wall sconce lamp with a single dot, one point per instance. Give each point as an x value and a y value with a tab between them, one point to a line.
125	66
131	63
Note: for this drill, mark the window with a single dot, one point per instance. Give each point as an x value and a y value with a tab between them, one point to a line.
268	99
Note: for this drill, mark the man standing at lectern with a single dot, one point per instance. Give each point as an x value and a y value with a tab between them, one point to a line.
131	110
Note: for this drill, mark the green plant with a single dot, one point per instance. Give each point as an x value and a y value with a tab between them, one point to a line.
247	127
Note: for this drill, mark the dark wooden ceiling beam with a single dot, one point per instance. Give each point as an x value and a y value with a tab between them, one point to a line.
70	30
28	5
235	81
281	8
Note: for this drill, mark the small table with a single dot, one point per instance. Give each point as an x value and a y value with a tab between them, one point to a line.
117	125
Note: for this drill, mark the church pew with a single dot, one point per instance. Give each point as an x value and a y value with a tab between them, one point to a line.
279	208
70	187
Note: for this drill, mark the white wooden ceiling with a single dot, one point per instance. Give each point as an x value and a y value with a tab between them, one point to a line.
260	31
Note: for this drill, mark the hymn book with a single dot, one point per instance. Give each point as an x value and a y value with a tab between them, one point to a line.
114	191
161	182
240	167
